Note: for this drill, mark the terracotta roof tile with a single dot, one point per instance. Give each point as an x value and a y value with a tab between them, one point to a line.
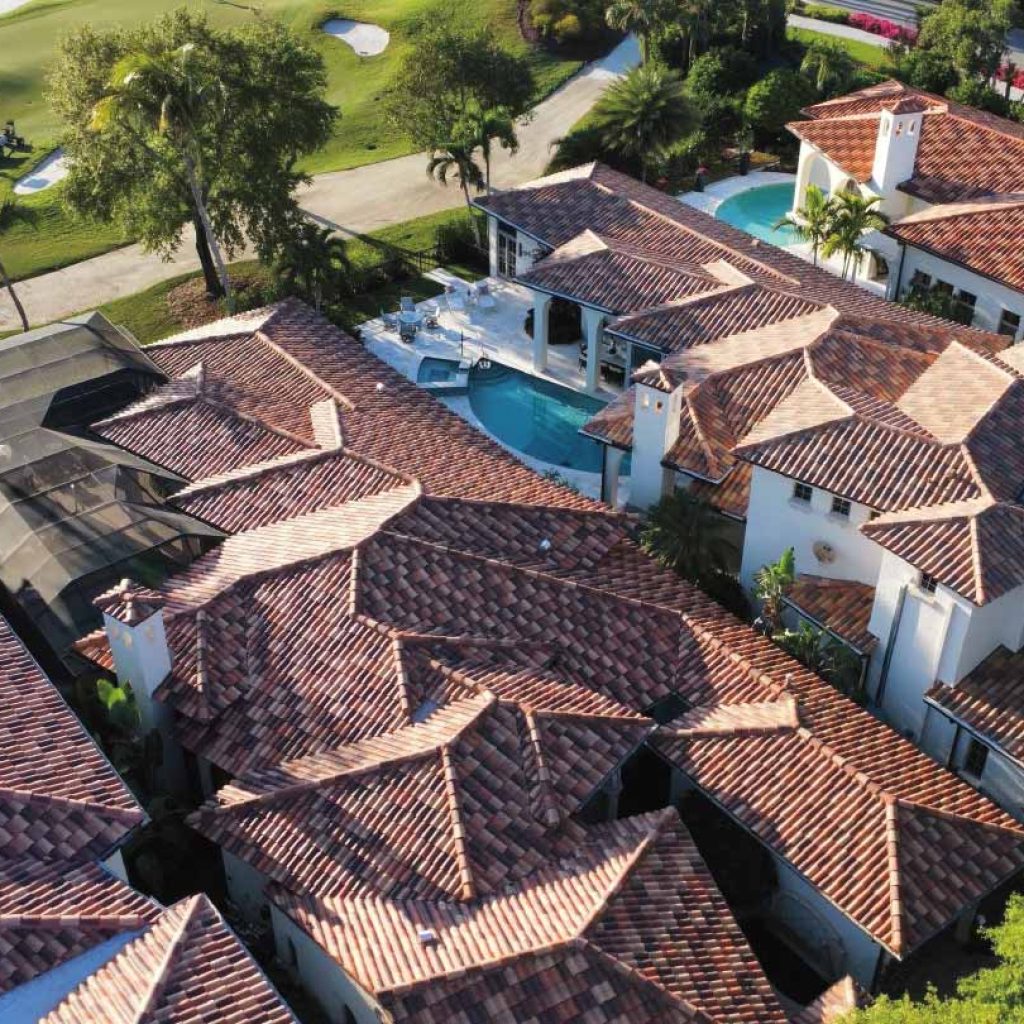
187	967
990	699
841	606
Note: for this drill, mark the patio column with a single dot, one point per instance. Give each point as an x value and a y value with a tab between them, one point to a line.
610	479
541	308
593	330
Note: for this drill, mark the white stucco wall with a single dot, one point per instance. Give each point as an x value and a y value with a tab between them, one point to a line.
983	629
319	975
115	865
833	944
776	521
993	297
655	429
246	887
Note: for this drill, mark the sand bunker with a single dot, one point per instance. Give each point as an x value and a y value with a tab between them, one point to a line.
366	40
6	6
48	173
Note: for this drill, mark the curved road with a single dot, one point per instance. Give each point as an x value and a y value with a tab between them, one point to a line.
355	201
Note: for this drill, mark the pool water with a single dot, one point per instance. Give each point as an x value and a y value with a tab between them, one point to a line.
757	210
536	417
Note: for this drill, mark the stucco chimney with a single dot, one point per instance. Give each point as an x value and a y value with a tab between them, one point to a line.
899	130
656	413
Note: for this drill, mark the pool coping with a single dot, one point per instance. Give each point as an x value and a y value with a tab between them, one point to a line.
717	192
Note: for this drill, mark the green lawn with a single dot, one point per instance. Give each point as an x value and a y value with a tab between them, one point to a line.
28	39
146	315
877	58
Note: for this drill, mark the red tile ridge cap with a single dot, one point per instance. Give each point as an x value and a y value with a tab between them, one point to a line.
892	853
125	815
547	812
968	207
474	706
342	400
451	793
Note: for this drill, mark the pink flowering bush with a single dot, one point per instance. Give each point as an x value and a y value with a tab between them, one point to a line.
1018	75
883	27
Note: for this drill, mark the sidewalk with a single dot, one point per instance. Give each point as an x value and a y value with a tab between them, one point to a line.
355	201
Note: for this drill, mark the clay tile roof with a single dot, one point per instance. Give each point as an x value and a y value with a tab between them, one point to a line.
962	153
187	967
833	1004
980	234
990	699
628	926
487	775
614	276
129	602
284	488
60	799
614	423
974	547
843	607
50	913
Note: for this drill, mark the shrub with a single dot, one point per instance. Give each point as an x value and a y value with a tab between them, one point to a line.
721	71
976	93
822	12
882	27
459	242
777	99
567	28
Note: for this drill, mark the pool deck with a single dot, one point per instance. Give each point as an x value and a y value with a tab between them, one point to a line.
718	192
496	334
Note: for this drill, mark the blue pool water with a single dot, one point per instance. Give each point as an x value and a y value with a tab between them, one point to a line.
756	211
536	417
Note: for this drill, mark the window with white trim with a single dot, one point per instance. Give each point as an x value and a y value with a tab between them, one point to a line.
841	507
927	582
802	492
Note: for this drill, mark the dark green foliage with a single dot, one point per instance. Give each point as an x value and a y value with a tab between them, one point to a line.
313	264
821	653
938	303
686	534
968	35
927	69
822	12
975	93
776	100
568	21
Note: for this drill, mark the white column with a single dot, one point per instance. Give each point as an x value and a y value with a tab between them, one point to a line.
541	308
492	244
593	329
612	466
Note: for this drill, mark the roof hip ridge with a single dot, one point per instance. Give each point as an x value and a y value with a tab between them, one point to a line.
451	792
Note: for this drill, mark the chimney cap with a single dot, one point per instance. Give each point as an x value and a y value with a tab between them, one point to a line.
130	602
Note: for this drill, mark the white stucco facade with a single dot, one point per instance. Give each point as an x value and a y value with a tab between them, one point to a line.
655	429
338	995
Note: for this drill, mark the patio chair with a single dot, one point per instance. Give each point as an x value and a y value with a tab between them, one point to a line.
407	305
390	320
484	298
407	332
454	299
431	312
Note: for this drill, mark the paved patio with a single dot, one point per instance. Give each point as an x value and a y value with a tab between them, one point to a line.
496	334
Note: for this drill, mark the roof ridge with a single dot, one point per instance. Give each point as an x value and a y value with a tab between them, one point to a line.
892	853
709	453
451	793
123	814
342	400
548	811
979	586
160	977
255	469
211	805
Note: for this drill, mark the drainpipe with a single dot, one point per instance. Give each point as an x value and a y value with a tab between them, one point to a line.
891	645
899	273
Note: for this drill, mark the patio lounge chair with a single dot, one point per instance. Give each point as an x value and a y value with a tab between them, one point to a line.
484	298
454	298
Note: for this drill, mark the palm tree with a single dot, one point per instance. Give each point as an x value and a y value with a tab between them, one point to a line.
456	158
313	262
482	128
812	222
641	115
770	583
641	17
688	535
853	215
11	213
162	97
831	67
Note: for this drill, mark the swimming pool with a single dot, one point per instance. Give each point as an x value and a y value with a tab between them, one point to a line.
536	417
756	211
437	371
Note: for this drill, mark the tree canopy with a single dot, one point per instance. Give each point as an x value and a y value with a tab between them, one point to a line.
994	995
449	73
968	35
176	122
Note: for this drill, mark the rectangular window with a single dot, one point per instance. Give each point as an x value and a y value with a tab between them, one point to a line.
943	288
927	582
840	507
968	299
1009	323
977	757
802	492
921	281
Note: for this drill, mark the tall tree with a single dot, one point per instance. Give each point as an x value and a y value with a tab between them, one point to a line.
12	212
177	123
482	127
448	75
830	66
853	215
812	222
641	115
994	995
644	18
968	35
770	583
